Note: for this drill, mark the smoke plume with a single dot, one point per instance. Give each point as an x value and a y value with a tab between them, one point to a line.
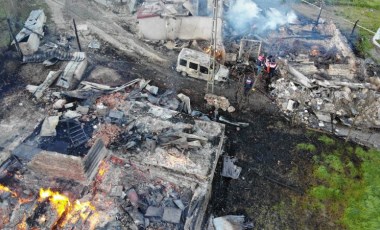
242	14
245	16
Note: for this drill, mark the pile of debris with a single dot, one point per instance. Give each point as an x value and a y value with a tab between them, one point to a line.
325	87
148	203
318	105
219	102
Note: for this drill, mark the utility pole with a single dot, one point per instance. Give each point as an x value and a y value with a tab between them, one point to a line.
210	82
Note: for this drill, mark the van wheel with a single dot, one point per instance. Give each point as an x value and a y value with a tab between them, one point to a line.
183	73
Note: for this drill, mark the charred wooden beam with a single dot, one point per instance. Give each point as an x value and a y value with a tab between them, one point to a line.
353	28
14	38
76	35
319	16
299	77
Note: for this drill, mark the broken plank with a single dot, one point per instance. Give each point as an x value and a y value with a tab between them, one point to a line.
96	85
299	77
126	85
339	84
192	136
52	76
239	124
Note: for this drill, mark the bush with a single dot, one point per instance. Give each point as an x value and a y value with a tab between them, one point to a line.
323	193
321	173
326	140
334	162
306	147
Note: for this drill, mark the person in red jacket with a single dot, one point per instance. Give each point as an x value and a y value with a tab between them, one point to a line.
270	67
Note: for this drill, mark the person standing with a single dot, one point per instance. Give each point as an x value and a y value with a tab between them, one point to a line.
259	64
270	67
248	85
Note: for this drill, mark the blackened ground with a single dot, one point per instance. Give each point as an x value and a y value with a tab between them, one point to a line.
9	79
272	174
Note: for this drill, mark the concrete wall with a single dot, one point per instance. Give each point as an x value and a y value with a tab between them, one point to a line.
187	28
31	45
58	165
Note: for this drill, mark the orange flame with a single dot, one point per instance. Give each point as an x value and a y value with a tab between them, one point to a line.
6	189
84	209
59	201
62	203
103	168
218	54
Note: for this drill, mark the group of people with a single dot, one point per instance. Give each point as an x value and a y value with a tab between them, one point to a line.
265	67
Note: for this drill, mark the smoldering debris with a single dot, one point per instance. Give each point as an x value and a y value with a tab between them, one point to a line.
322	83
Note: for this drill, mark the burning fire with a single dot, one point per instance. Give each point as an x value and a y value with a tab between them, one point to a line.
103	168
218	53
20	199
73	211
6	189
59	201
67	211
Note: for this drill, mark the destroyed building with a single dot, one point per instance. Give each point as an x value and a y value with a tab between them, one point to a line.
177	20
324	85
153	163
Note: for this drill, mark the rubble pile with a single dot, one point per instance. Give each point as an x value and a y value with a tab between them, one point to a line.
322	83
156	175
162	160
315	106
219	102
111	100
142	202
108	133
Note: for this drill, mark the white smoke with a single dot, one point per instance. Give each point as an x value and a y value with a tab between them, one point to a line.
277	18
245	16
242	14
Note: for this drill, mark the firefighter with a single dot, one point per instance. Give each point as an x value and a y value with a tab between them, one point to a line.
259	64
270	67
248	85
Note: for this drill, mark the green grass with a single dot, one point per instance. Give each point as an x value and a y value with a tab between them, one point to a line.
4	36
326	140
374	4
347	185
306	147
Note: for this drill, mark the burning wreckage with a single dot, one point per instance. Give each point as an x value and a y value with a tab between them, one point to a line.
324	85
143	166
108	157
